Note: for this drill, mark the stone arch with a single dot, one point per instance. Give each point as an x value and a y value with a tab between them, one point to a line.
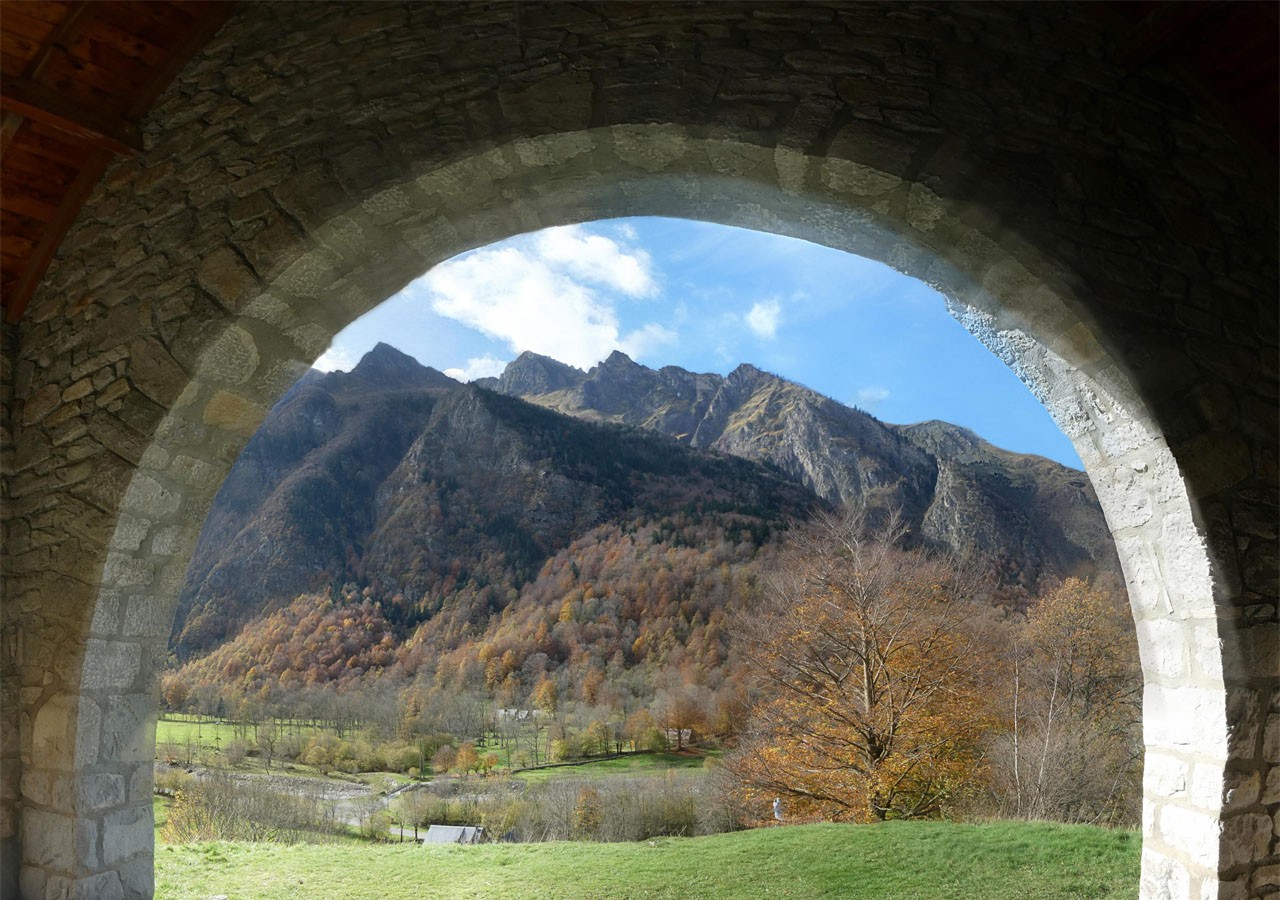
223	402
255	257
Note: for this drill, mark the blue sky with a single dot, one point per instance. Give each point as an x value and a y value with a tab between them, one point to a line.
707	297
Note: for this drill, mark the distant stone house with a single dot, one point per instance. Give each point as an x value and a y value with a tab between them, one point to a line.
512	714
454	834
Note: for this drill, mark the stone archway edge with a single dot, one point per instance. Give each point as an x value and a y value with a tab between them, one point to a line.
254	253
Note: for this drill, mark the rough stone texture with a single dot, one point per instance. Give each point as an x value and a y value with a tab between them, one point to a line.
1086	220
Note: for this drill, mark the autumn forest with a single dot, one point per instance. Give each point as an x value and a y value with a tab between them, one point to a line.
486	586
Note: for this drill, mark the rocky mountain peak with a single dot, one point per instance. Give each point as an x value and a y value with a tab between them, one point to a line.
619	361
747	379
946	440
1030	517
385	366
532	373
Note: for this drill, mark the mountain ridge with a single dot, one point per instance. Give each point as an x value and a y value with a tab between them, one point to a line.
948	482
454	513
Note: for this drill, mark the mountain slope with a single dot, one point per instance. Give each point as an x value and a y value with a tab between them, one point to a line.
440	499
299	502
1028	517
392	520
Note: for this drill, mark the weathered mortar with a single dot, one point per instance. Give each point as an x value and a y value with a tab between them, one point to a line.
1108	244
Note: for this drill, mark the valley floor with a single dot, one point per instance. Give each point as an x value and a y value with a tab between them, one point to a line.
902	861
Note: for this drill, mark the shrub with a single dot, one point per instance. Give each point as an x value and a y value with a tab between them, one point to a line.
236	752
653	738
171	781
615	808
222	808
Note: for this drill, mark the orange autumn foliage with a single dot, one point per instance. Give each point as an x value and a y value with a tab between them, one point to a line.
872	702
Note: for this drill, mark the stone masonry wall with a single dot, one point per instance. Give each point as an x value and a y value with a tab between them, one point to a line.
1084	220
10	788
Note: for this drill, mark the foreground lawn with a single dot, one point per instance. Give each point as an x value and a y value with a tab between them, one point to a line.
903	861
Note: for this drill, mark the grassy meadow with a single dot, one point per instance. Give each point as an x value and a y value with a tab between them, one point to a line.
202	733
205	740
899	860
638	764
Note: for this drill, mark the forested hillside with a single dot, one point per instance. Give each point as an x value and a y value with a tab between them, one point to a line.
437	544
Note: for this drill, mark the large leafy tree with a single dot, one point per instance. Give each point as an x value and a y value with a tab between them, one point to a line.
871	693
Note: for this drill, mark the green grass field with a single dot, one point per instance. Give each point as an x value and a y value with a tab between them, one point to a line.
212	737
211	734
639	764
205	735
903	861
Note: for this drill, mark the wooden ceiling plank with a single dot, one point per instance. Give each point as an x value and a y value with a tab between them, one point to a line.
17	248
61	36
22	203
158	24
33	30
14	251
128	45
22	226
40	257
26	187
49	144
69	20
17	229
44	104
13	245
17	51
19	161
96	49
76	73
51	12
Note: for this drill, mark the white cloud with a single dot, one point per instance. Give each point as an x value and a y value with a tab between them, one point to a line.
764	318
478	367
643	341
596	258
556	296
871	397
336	359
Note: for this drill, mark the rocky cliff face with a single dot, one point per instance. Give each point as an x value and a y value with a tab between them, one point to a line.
400	480
1029	517
300	499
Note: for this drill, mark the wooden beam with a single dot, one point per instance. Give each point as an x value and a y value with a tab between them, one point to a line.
9	125
211	17
57	110
63	34
16	303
